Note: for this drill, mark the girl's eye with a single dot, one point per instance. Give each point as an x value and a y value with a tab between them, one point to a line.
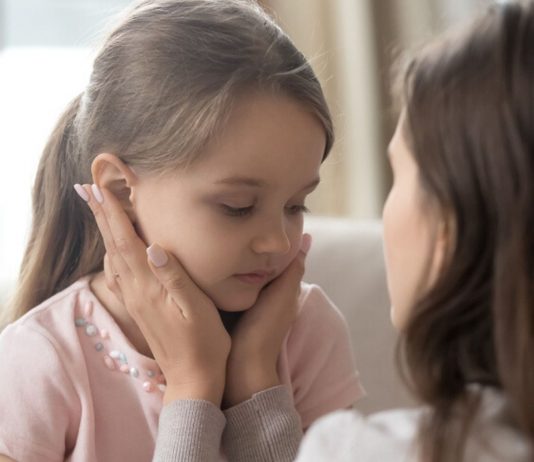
296	209
237	211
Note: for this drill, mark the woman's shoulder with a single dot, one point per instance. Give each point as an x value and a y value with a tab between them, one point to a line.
494	434
392	435
348	435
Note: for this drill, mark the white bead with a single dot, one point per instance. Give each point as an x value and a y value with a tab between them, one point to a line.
148	386
88	309
91	330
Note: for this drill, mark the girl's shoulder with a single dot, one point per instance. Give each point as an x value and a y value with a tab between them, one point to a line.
59	305
318	358
40	386
52	322
317	308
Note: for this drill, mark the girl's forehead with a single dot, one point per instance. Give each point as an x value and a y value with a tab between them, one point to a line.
249	178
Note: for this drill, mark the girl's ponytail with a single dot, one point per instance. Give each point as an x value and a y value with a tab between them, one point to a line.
63	243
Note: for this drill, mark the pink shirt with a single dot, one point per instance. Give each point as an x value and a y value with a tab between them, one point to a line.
73	388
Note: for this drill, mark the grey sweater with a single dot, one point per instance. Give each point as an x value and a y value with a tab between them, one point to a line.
267	428
194	430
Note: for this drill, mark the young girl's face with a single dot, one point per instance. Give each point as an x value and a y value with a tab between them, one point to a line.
414	239
234	218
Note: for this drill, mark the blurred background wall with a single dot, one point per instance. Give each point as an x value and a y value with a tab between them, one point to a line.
353	45
46	48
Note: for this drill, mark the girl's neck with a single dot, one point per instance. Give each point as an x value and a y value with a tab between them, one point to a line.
230	319
119	313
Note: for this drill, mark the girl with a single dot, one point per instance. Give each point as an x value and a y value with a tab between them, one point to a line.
460	262
209	128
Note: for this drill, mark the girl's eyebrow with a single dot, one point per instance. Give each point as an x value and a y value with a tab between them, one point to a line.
257	183
243	181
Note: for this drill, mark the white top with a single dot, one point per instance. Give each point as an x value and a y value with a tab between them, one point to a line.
345	436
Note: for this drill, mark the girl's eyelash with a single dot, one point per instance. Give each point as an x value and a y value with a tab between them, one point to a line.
244	211
237	212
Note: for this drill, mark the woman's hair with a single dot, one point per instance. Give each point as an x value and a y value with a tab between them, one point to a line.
162	85
469	120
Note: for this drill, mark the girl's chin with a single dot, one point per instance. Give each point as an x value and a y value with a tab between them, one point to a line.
235	304
234	299
234	307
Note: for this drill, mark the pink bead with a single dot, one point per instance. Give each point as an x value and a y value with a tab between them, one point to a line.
109	363
148	386
88	309
125	368
104	333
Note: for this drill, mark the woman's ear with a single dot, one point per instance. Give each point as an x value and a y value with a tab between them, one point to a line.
112	173
444	243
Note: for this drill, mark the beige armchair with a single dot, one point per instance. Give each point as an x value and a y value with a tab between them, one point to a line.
346	260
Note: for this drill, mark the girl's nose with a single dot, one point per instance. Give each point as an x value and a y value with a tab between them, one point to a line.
272	239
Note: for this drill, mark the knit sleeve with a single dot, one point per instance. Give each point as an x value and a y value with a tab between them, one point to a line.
189	430
265	428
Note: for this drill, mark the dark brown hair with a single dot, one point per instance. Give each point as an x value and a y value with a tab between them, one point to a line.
469	102
162	84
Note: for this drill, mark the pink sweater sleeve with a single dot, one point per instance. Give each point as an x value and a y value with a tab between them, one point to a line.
323	372
35	397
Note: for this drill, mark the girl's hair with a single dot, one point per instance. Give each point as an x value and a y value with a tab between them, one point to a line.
162	85
469	105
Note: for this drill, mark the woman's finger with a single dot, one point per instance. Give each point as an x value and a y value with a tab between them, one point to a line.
124	247
291	278
175	279
112	279
85	191
277	304
126	242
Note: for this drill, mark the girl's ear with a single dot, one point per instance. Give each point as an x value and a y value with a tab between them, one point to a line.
112	173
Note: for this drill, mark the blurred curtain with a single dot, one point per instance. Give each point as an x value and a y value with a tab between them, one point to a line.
352	45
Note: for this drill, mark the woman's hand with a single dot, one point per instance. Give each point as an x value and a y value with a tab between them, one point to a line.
178	320
257	339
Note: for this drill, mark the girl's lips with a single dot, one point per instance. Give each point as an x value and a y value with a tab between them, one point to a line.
253	278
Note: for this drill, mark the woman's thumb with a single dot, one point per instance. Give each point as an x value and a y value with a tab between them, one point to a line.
305	243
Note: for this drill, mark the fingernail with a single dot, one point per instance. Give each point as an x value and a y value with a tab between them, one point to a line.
81	192
157	255
305	243
97	193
